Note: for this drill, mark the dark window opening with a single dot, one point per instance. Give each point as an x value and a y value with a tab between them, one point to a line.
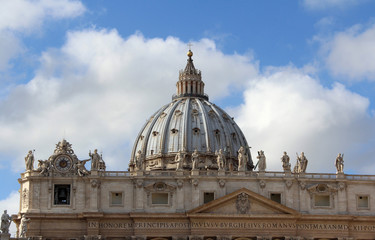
159	198
208	197
362	202
276	197
116	198
62	194
322	201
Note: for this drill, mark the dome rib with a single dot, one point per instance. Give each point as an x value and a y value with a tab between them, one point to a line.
221	121
204	118
185	130
166	127
147	135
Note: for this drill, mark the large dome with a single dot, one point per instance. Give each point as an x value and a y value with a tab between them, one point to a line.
189	123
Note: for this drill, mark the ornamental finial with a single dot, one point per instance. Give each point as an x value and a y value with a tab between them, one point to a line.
190	53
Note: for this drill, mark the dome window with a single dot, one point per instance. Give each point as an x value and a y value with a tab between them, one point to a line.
174	131
196	130
225	116
178	113
155	133
194	112
163	115
211	113
217	136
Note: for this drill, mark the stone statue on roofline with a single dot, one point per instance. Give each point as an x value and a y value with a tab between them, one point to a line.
22	229
179	159
81	169
242	159
221	159
194	160
262	161
285	160
6	220
29	161
301	164
95	159
138	160
339	163
44	167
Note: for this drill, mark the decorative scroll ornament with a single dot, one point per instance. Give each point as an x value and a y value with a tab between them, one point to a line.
262	183
288	183
243	203
222	183
95	183
63	147
25	198
180	183
341	186
195	182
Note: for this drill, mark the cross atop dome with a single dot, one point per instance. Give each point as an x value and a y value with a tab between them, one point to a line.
190	82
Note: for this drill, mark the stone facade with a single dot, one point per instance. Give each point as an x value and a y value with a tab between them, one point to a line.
151	204
179	186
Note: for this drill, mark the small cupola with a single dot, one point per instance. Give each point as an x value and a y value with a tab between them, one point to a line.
190	82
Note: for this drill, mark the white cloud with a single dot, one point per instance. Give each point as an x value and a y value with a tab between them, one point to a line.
327	4
11	203
286	110
26	15
20	17
10	46
325	23
351	54
100	88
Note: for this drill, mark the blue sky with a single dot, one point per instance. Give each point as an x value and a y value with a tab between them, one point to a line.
296	75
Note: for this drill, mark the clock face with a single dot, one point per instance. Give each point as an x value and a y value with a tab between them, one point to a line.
63	163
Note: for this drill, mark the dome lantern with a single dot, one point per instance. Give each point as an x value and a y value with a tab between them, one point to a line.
190	81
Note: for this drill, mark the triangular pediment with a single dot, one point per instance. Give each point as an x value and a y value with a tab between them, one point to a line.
244	202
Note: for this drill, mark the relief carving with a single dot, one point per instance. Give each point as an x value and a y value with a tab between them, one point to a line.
288	183
139	183
180	183
322	188
341	186
243	203
222	183
262	183
195	182
95	183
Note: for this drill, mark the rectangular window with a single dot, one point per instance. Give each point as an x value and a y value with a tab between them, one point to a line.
362	202
116	198
159	198
276	197
208	197
61	194
322	201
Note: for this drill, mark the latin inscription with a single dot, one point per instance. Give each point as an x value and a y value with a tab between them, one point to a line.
232	225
